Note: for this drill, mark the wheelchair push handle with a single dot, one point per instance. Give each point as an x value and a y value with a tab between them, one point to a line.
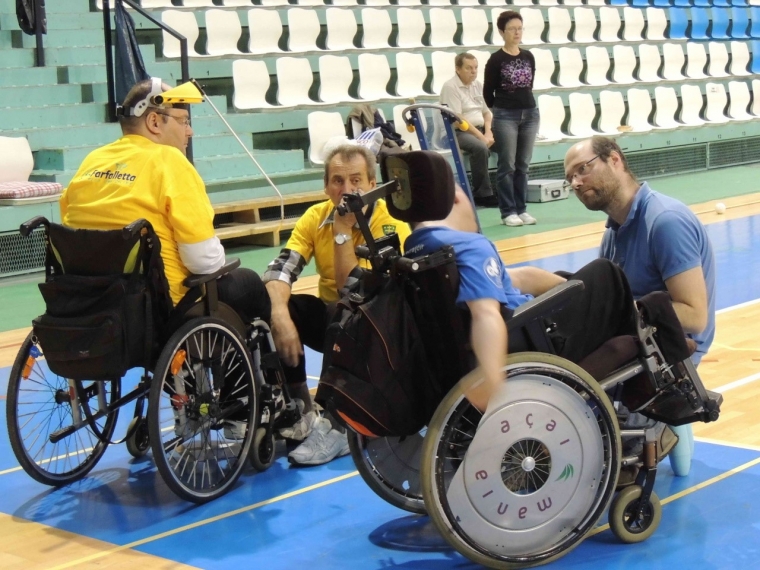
135	228
30	225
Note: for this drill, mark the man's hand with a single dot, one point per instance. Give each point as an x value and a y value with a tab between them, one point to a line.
286	339
489	138
488	335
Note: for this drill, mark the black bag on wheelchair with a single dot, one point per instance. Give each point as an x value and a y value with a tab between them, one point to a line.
374	363
99	313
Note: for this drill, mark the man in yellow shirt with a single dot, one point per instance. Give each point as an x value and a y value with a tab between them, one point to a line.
145	174
302	319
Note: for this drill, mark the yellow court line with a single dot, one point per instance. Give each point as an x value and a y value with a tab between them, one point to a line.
204	522
691	490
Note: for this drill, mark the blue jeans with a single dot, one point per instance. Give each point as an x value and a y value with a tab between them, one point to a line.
514	133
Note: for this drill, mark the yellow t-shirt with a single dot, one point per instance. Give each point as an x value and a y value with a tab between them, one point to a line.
313	237
135	178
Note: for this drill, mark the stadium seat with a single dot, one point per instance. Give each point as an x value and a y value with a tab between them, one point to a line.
582	115
717	101
738	92
411	27
700	20
585	25
374	75
609	24
443	26
335	78
739	23
482	57
657	23
720	20
442	63
755	65
341	29
377	2
323	126
559	25
265	30
552	111
754	16
718	59
303	29
665	108
223	30
691	106
376	28
274	3
544	68
294	80
634	24
623	64
533	25
597	65
612	109
250	83
183	23
674	61
756	97
570	67
639	109
679	20
696	60
649	63
474	27
345	2
411	73
739	58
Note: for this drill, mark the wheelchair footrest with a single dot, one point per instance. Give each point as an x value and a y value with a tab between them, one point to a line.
676	408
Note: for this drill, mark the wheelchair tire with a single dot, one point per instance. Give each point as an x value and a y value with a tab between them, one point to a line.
391	468
38	405
201	418
262	450
505	489
138	443
628	522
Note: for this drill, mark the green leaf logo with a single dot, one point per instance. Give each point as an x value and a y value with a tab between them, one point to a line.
567	473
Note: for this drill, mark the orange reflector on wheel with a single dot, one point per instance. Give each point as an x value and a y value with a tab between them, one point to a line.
26	372
178	361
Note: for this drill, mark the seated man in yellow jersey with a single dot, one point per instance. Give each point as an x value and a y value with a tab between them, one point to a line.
145	174
302	319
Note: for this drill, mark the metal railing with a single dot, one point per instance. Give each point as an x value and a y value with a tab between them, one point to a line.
40	52
184	61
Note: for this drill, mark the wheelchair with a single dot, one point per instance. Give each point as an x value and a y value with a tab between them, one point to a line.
524	482
213	384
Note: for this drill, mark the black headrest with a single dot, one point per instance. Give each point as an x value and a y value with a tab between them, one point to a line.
427	185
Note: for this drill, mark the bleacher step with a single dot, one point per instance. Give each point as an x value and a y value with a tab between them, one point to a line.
40	95
53	115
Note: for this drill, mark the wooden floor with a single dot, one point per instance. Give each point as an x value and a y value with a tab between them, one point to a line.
732	366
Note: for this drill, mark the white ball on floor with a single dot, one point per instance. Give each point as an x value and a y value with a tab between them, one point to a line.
720	208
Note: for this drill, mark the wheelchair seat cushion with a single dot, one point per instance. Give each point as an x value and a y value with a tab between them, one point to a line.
610	356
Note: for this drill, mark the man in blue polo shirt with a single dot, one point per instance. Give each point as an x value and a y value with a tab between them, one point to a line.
657	241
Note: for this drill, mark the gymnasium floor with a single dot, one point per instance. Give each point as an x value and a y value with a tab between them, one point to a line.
122	515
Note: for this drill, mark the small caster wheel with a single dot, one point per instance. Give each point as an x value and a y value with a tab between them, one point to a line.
262	450
138	443
628	521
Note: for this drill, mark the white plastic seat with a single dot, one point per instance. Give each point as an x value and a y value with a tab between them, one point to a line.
639	109
17	159
649	63
717	101
223	30
545	68
310	3
294	80
696	60
585	25
666	106
674	61
250	81
411	27
265	30
335	77
756	97
738	91
482	57
739	58
612	109
570	67
634	24
411	73
409	2
442	3
303	29
345	2
718	59
376	26
657	23
691	106
443	66
236	3
533	26
378	2
341	29
443	26
552	112
474	27
147	4
559	25
183	23
374	75
582	114
274	2
597	65
323	126
197	3
400	126
609	24
624	64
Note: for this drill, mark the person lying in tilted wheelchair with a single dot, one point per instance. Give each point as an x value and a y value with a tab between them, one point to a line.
551	422
136	277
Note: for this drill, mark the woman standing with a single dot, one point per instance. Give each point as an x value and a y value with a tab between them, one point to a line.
508	91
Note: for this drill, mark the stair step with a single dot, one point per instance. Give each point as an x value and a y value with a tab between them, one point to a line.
39	95
14	77
53	115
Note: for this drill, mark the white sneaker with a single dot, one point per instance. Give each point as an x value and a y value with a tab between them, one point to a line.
512	220
322	446
527	219
301	429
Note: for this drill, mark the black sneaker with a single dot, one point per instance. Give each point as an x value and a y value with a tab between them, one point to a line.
487	201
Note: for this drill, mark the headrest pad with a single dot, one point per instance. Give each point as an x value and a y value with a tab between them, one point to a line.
427	186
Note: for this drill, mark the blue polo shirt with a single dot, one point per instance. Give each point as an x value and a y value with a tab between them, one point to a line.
661	237
482	274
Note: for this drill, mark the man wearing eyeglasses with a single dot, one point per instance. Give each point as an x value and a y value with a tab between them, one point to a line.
658	242
145	174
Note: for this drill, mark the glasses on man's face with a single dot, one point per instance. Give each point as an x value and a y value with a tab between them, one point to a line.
582	170
184	121
513	30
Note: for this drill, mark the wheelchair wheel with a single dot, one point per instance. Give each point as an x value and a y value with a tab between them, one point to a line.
201	418
631	523
138	443
39	405
262	451
523	484
391	468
